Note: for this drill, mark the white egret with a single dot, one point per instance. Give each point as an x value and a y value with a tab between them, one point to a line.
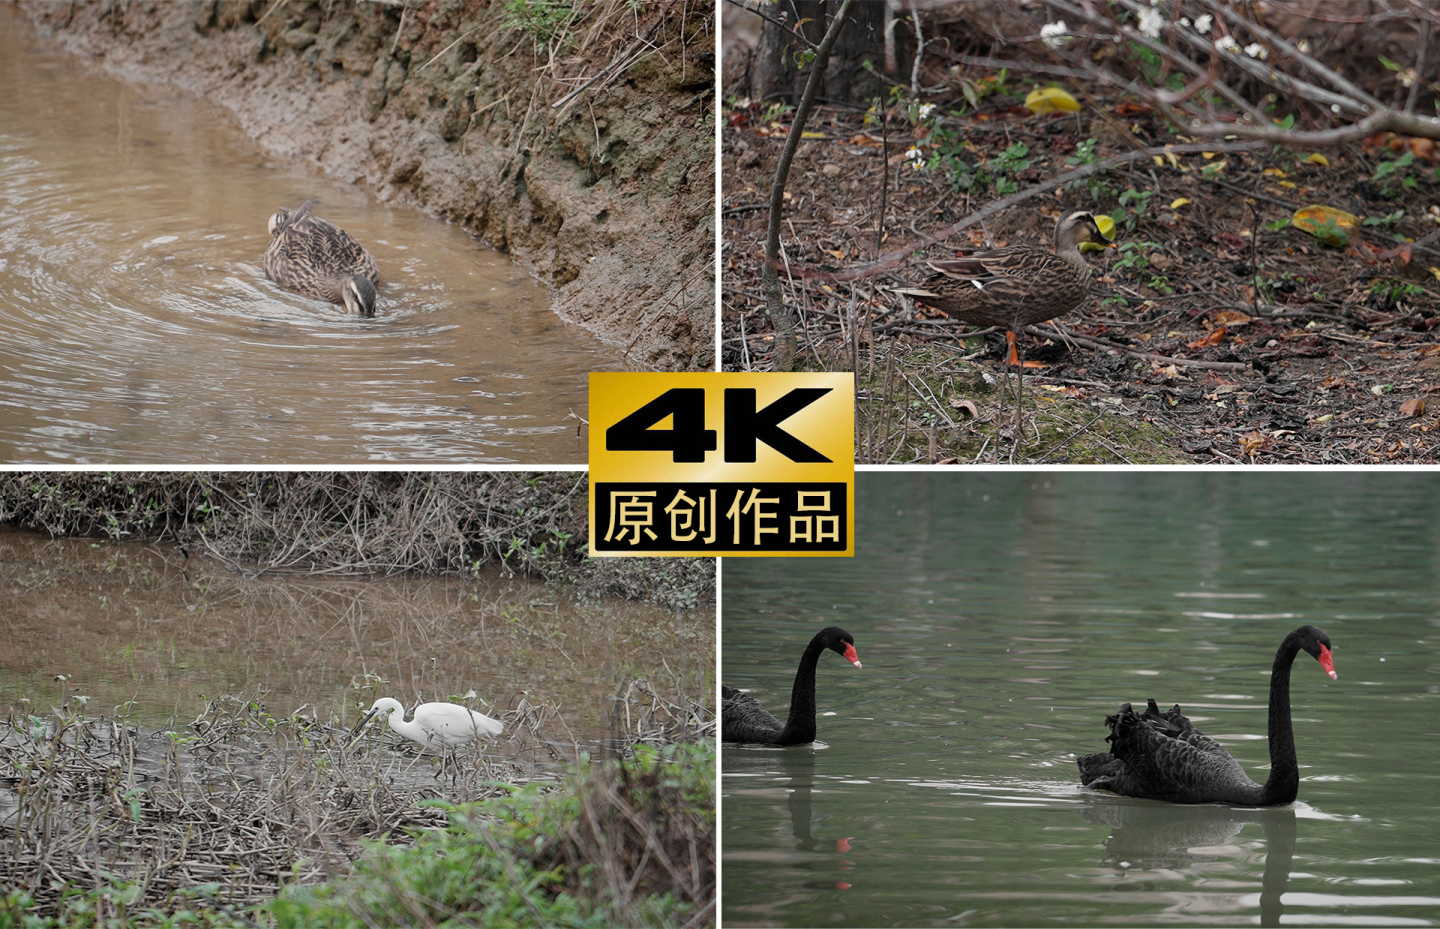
434	725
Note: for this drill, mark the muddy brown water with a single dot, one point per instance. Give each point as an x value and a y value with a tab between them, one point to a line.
130	622
136	323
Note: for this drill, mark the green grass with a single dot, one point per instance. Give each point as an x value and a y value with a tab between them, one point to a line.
628	843
585	855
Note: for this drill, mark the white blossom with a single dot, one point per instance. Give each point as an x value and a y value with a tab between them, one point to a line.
916	158
1202	24
1184	20
1256	50
1334	107
1227	44
1051	33
926	110
1150	23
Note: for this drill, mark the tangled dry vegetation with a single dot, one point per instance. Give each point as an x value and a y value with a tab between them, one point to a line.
357	523
219	814
1217	332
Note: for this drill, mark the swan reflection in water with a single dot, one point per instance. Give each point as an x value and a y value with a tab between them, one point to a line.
1147	836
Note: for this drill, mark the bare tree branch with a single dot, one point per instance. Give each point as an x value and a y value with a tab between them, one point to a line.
784	355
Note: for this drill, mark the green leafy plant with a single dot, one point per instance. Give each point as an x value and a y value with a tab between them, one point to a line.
1393	171
1134	263
541	20
773	112
1095	184
1151	67
1133	206
1396	291
999	172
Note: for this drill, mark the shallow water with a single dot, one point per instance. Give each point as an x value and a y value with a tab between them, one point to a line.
1000	617
129	622
139	326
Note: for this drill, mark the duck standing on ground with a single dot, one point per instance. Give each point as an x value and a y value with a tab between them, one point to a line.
1017	286
318	259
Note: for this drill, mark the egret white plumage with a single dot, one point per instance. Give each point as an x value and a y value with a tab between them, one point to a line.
434	725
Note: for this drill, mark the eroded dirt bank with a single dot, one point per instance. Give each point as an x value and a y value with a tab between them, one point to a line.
460	109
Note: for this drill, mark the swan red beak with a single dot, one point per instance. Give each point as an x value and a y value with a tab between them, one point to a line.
851	655
1327	662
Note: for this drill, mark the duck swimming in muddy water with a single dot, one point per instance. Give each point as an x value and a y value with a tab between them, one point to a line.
310	256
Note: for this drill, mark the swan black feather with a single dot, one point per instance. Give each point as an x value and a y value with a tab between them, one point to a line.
743	719
1162	756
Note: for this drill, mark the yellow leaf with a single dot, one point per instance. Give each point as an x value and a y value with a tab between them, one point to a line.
1274	172
1174	160
1318	159
1106	225
1050	100
1208	155
1178	203
1290	184
1329	225
1436	272
813	135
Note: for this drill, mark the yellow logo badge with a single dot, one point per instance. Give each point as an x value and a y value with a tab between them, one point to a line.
722	464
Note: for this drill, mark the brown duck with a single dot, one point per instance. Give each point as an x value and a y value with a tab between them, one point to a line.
1016	286
308	255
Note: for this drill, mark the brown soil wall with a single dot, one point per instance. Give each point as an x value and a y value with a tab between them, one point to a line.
450	106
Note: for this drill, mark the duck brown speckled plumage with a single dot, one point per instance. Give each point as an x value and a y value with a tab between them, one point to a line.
1017	286
310	256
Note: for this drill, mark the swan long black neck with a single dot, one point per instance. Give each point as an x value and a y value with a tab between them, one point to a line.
800	725
1283	785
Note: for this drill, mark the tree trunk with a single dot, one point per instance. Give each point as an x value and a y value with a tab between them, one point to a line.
776	75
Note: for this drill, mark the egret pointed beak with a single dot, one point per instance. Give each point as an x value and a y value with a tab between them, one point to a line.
355	733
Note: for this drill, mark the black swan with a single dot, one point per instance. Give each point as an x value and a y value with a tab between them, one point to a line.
1161	756
743	719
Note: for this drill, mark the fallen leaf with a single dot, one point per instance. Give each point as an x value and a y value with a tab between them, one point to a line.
966	405
1315	158
1050	100
1214	337
1329	225
1178	203
1413	407
1230	318
1274	172
1254	441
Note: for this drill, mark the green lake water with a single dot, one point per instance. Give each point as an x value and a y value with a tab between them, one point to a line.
1001	616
